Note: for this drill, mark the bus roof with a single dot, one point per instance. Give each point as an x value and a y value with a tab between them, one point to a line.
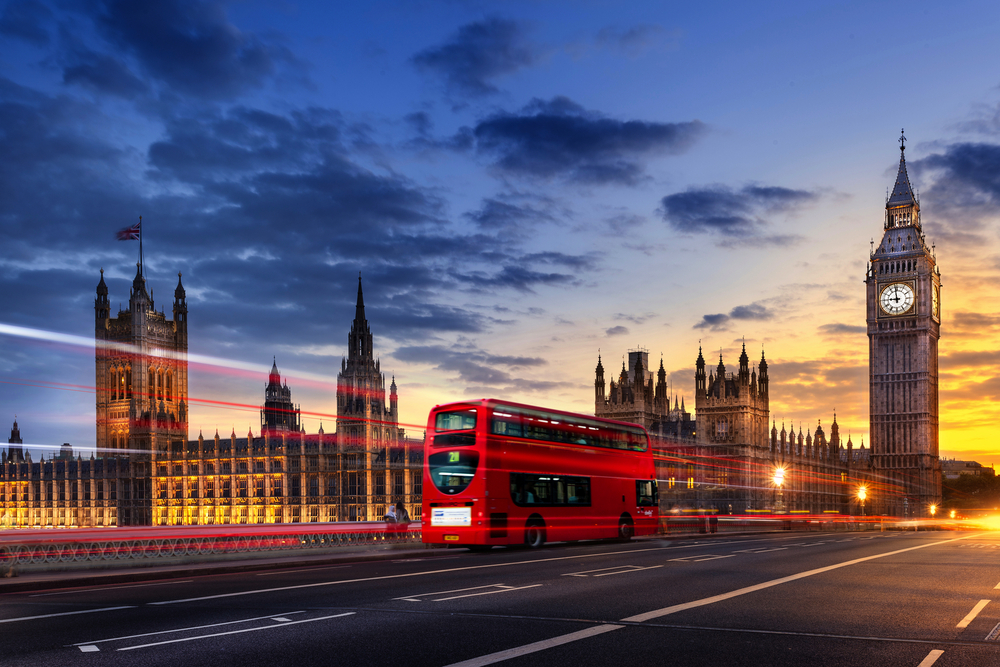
496	402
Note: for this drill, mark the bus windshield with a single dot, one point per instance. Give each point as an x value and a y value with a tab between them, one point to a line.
452	472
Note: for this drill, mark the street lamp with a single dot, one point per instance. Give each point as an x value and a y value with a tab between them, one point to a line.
862	494
933	510
779	479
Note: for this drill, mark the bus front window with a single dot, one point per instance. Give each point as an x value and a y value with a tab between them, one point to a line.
452	472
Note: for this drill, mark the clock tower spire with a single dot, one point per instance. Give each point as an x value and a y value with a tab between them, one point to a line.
904	324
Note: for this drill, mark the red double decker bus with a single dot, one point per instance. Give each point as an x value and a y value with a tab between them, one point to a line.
503	473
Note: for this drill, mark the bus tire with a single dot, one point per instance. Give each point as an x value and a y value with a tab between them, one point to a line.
625	528
534	533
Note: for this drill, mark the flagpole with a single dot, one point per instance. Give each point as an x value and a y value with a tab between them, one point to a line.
142	267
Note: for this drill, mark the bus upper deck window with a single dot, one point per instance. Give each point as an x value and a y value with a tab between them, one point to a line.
459	420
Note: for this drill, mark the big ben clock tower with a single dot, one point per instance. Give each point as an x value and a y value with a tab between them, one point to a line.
904	325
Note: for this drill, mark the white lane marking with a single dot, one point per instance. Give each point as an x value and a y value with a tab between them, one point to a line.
236	632
281	619
931	658
196	627
997	587
466	568
994	633
457	590
109	588
651	567
537	646
89	648
301	569
65	613
971	616
500	656
760	551
701	558
624	568
508	589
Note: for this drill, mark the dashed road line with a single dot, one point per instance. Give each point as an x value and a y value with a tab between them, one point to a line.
931	658
236	632
971	616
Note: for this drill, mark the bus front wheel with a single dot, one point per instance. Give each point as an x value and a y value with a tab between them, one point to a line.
625	529
534	533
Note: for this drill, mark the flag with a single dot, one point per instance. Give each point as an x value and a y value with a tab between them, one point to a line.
130	233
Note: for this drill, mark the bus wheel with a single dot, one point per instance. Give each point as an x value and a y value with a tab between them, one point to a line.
534	533
625	529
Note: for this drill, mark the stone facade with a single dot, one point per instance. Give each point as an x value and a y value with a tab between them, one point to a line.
724	460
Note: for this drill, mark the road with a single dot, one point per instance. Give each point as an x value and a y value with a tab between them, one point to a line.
893	598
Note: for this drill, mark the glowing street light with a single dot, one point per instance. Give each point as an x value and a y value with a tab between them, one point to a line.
952	514
862	494
779	479
933	510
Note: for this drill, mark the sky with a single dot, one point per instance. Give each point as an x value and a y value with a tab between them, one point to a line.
521	185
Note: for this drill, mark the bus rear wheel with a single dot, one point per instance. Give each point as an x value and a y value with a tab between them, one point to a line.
534	533
625	529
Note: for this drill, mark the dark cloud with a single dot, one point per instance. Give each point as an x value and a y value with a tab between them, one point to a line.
720	321
558	138
505	217
514	276
636	319
192	46
102	73
837	329
617	331
477	54
736	215
26	19
470	365
966	180
636	40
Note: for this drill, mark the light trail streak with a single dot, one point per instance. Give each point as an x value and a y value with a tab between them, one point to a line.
215	365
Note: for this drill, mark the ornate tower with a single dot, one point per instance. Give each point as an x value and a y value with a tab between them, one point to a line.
904	325
279	413
142	389
368	433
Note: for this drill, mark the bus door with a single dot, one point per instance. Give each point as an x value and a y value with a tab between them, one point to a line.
498	509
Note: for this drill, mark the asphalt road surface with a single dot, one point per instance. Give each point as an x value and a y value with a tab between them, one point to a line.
893	598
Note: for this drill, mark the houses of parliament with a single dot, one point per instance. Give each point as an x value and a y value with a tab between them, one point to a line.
150	473
727	457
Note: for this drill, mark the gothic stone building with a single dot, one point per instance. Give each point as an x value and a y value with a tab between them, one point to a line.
635	399
148	472
725	460
904	324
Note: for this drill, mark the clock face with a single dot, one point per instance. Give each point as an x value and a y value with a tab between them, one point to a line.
896	299
936	302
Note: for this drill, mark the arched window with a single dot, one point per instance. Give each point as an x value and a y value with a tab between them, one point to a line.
128	382
170	382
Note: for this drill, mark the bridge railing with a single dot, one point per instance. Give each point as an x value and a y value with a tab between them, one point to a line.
40	550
